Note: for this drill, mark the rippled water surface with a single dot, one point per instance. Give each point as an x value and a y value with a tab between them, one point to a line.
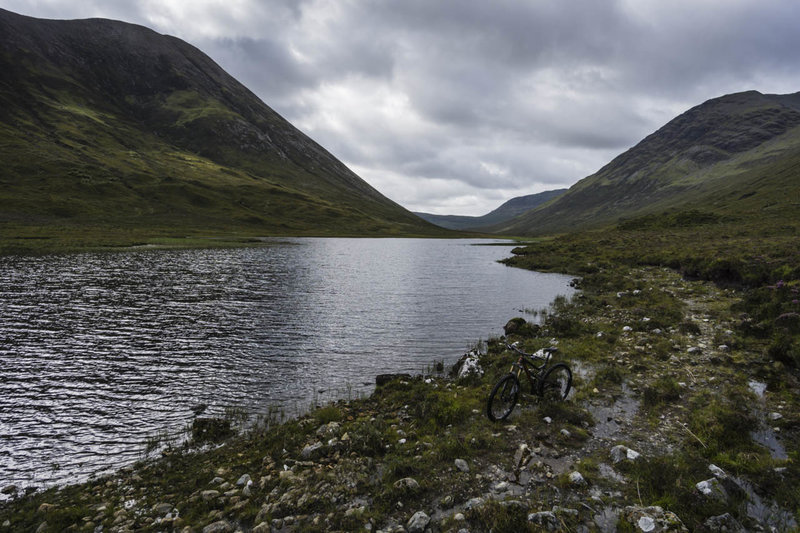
98	351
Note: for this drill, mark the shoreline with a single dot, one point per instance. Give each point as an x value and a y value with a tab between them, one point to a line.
427	450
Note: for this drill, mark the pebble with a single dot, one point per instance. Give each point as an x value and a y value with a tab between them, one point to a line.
462	465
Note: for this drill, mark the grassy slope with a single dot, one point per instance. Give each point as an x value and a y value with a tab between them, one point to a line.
122	135
734	143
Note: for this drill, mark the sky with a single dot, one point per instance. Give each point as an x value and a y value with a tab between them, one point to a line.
455	106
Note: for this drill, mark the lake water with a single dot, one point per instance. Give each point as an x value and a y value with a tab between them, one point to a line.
99	351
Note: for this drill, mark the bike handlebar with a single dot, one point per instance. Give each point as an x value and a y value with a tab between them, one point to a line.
548	351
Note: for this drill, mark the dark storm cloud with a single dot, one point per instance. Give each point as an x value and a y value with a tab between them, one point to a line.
457	105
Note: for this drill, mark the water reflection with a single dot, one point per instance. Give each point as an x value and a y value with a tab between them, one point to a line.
99	350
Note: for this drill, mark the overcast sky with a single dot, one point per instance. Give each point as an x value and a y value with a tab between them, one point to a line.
454	107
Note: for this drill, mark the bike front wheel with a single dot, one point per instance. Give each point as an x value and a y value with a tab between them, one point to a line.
556	383
503	398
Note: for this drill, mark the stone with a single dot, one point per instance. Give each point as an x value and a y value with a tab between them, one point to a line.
462	465
46	508
42	527
566	433
711	488
418	522
717	471
724	523
653	519
244	480
577	479
621	453
208	495
221	526
694	350
775	416
459	517
10	489
546	519
522	456
470	366
547	420
262	527
313	451
162	508
407	484
474	503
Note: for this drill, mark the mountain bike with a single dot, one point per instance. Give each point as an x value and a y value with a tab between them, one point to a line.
550	383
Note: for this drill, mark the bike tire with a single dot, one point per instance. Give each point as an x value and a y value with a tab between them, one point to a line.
556	384
503	398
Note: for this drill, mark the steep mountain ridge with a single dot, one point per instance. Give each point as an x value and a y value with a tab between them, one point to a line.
507	211
682	163
104	122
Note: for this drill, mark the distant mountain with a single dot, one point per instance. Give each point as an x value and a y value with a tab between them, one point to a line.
507	211
738	154
112	125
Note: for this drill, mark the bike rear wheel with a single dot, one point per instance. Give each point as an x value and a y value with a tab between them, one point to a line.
556	383
503	398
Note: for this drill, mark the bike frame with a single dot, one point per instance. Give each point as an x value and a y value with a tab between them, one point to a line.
521	364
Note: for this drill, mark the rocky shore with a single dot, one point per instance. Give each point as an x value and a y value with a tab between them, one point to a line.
676	422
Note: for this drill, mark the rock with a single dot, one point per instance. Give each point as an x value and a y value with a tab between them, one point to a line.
547	420
208	495
46	508
383	379
565	511
313	451
501	486
775	416
577	479
244	480
694	350
627	329
418	522
522	456
221	526
514	325
724	348
217	481
717	471
566	433
329	429
462	465
653	519
621	453
724	523
162	508
42	527
10	489
546	519
470	366
474	503
262	527
408	484
712	489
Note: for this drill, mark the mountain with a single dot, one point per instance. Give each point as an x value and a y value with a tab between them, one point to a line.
736	155
112	127
507	211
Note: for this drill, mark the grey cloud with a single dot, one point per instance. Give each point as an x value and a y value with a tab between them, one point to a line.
496	96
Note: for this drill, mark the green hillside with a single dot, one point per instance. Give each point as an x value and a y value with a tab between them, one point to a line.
735	156
111	133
